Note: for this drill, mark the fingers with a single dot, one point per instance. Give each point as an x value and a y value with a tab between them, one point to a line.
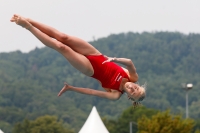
61	92
65	88
105	61
108	60
58	94
65	83
105	56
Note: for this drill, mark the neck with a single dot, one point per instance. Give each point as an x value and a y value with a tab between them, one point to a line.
122	85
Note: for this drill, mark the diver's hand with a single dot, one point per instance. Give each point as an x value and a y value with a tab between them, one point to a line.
64	89
109	59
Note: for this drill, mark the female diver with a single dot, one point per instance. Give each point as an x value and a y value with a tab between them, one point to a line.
84	57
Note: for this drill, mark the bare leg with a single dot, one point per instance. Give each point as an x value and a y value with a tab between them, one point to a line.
77	60
75	43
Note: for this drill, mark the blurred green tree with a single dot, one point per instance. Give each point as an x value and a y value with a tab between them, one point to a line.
121	125
164	122
43	124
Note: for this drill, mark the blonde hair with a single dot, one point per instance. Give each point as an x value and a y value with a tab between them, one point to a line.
136	103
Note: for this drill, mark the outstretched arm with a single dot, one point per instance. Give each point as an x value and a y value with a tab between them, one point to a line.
109	95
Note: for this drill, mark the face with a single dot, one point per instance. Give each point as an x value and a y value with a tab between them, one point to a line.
133	90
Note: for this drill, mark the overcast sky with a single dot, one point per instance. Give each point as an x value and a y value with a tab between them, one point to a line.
96	18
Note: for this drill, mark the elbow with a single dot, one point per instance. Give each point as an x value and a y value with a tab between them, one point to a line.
115	97
130	63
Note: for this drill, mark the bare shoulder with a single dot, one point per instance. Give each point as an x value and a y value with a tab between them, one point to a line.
133	76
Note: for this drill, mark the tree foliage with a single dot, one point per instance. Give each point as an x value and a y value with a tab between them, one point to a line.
130	115
164	122
44	124
30	81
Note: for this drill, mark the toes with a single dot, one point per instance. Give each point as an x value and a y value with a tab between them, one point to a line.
17	20
16	15
12	20
65	83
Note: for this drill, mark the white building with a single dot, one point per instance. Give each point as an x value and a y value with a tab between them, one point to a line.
1	131
93	123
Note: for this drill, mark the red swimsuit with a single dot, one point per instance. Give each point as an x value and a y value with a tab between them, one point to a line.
109	74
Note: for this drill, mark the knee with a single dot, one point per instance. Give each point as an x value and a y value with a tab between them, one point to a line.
63	37
61	47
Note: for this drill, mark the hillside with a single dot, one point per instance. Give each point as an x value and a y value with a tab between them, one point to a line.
30	82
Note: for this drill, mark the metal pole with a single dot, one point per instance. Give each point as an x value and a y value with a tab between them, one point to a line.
186	97
187	87
130	127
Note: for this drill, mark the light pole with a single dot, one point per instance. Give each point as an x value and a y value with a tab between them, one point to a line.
131	123
131	127
187	87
